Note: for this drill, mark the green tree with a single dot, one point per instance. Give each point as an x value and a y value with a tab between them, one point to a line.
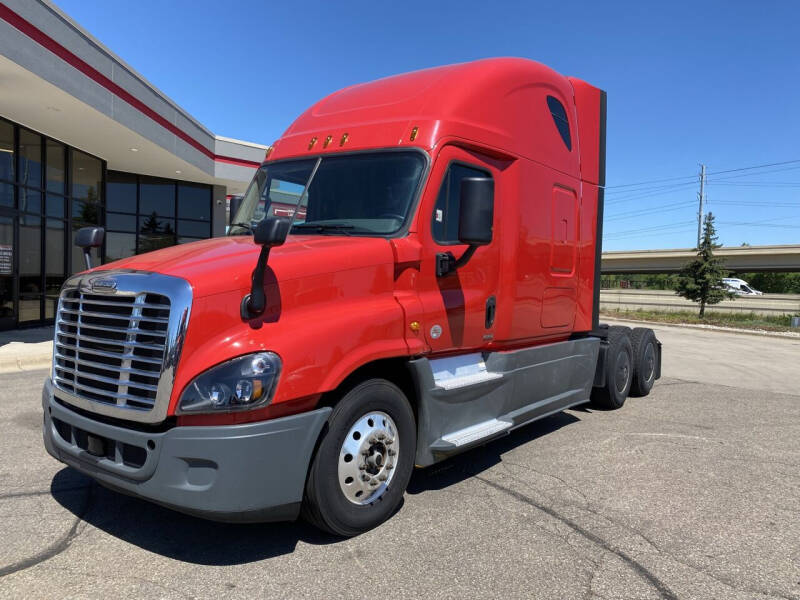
701	280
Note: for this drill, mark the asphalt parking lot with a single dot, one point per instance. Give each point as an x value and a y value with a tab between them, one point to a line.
691	492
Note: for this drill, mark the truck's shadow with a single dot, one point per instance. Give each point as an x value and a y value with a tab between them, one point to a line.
198	541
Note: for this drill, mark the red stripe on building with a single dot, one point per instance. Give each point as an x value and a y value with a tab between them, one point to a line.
81	65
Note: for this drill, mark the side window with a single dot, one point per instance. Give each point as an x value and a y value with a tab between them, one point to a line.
559	115
445	213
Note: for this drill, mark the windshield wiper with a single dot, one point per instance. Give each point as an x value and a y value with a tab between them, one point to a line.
243	226
325	227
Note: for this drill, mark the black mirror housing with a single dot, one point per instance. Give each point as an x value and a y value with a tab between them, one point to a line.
476	211
271	231
89	237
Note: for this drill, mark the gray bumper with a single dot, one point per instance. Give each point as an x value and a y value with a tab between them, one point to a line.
245	473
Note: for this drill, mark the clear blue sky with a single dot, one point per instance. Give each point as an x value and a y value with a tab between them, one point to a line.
688	82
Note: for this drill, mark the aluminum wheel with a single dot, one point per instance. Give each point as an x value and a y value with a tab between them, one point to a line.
368	458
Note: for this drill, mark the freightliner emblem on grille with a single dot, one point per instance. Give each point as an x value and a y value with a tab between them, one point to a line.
104	285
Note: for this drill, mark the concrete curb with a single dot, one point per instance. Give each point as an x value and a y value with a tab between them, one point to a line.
21	356
784	335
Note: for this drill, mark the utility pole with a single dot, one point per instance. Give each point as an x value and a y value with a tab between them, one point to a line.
701	196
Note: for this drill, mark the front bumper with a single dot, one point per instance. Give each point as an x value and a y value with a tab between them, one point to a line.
253	472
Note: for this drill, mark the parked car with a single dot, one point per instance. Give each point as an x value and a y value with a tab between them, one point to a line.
740	287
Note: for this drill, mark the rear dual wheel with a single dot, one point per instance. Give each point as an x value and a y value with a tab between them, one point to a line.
619	370
364	460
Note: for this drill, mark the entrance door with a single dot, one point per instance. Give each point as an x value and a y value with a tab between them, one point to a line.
8	316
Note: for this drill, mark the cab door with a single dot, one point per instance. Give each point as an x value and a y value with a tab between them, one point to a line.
459	308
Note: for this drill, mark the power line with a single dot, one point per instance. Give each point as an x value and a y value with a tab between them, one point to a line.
685	177
646	211
608	187
785	162
647	230
638	196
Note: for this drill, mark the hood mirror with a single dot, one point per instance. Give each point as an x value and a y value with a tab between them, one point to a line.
270	232
88	238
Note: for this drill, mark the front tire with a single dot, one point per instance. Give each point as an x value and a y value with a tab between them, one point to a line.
364	460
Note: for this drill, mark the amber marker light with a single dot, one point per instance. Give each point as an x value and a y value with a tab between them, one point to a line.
327	141
344	139
414	133
414	326
312	143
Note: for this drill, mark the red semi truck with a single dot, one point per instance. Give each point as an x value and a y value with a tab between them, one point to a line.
433	285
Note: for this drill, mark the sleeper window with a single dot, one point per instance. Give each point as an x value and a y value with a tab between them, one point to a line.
559	115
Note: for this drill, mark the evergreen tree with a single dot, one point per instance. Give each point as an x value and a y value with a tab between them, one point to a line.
701	280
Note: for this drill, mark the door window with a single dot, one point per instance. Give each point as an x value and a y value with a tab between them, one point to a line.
445	213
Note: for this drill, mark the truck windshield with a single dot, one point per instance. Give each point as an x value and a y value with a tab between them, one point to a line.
356	194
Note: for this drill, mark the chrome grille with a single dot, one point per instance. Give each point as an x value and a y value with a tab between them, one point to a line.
110	348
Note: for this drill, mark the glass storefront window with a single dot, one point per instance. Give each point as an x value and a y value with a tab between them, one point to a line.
115	222
194	202
6	151
30	200
120	245
29	171
55	206
6	270
30	267
156	197
7	195
87	177
56	170
121	192
197	229
85	213
55	251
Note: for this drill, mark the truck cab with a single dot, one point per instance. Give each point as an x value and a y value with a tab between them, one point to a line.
413	271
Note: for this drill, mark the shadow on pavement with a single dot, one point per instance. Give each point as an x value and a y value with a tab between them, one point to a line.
182	537
477	460
175	535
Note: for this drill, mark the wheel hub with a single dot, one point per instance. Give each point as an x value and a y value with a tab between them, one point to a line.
368	458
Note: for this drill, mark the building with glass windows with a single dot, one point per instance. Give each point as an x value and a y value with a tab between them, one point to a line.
86	140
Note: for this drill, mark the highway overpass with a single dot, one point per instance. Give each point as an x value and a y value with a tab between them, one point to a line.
737	258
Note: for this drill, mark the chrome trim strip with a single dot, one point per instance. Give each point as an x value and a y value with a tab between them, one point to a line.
131	284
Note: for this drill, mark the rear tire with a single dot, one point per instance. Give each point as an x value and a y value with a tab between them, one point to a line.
370	434
619	371
645	358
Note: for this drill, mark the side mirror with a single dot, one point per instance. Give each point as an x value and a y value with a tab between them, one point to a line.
476	211
88	238
475	220
234	202
270	232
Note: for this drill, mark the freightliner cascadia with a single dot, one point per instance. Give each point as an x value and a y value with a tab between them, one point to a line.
413	271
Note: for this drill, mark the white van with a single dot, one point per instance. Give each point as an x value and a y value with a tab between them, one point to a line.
740	287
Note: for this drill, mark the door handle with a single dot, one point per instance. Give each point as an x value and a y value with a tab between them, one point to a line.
491	309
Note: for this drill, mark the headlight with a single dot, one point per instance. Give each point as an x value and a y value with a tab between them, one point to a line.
239	384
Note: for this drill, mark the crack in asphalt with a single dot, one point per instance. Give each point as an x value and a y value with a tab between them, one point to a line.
663	590
43	492
56	547
721	579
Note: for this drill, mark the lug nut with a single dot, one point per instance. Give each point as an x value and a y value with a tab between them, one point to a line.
365	477
382	477
391	452
374	482
389	467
